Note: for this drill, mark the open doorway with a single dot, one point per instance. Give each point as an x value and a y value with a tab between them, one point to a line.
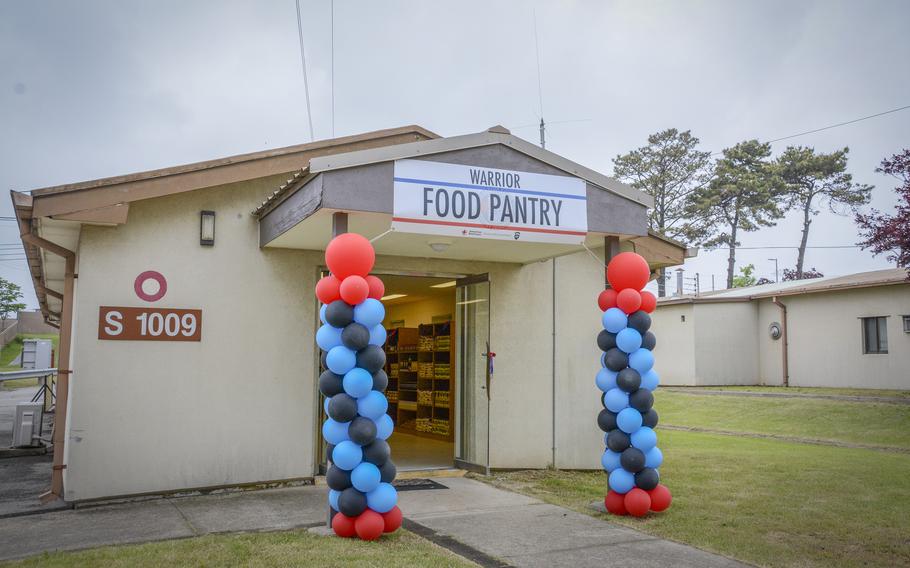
421	364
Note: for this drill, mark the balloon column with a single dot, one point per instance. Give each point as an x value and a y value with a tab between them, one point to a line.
351	337
627	380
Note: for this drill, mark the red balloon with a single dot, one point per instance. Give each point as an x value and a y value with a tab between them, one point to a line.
328	289
615	503
637	502
377	288
648	301
660	498
354	289
628	270
343	526
369	525
349	254
627	300
392	520
607	299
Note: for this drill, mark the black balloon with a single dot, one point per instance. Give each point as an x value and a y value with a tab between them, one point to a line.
387	472
362	431
352	502
603	400
641	400
616	360
355	336
640	321
339	314
337	478
647	479
322	361
632	459
617	440
606	340
330	384
628	380
380	380
329	448
606	420
377	453
371	358
648	341
649	418
342	407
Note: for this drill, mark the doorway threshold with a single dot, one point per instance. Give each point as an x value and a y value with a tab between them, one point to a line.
431	472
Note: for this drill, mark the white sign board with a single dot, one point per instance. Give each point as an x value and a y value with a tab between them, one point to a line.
471	201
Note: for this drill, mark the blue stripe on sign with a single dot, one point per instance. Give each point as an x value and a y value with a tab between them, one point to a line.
489	188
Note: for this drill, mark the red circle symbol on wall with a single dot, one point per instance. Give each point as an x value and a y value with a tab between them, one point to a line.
150	275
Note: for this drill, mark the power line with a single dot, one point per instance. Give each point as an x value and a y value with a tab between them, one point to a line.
785	247
829	127
306	85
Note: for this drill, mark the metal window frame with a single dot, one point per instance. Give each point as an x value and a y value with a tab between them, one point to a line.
878	336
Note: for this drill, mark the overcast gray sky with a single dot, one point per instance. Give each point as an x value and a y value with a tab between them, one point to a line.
97	88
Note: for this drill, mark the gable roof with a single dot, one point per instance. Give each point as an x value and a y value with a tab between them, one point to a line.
495	135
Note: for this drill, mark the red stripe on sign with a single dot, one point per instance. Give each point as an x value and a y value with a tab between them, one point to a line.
482	226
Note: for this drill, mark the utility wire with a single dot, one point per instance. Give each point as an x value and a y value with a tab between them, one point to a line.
306	85
785	247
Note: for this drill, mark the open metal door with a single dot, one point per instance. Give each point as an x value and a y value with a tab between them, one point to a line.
474	373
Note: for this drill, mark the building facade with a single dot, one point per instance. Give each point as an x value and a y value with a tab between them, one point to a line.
850	331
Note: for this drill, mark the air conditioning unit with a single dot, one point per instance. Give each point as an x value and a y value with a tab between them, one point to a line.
36	353
27	427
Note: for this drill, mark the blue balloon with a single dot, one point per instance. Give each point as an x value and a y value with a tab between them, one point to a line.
382	499
373	405
628	340
628	420
615	320
654	457
357	382
340	360
335	432
610	460
322	313
621	480
333	498
325	404
365	477
370	313
384	427
377	335
328	337
347	455
650	380
616	400
644	439
603	360
641	360
606	379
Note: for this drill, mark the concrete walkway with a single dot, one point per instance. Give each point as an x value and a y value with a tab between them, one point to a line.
514	529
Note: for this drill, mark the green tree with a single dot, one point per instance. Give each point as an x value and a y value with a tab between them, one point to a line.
669	169
813	180
745	277
10	294
742	197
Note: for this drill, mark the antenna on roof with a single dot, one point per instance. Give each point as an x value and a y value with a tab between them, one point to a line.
306	86
543	126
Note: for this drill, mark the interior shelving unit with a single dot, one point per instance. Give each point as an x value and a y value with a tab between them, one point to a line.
420	363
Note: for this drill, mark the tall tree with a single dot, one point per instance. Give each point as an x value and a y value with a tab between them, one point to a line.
891	233
741	197
669	169
813	180
10	294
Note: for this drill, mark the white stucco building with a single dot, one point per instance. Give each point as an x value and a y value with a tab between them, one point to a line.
187	314
846	331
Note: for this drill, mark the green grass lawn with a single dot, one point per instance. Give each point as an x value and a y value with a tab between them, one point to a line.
12	350
810	390
291	548
765	501
879	424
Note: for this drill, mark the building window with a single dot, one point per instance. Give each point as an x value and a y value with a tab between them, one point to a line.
875	335
906	324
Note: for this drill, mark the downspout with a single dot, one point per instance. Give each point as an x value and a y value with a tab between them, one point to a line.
553	369
783	337
63	362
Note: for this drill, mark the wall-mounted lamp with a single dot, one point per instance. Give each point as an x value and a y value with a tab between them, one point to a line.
207	228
